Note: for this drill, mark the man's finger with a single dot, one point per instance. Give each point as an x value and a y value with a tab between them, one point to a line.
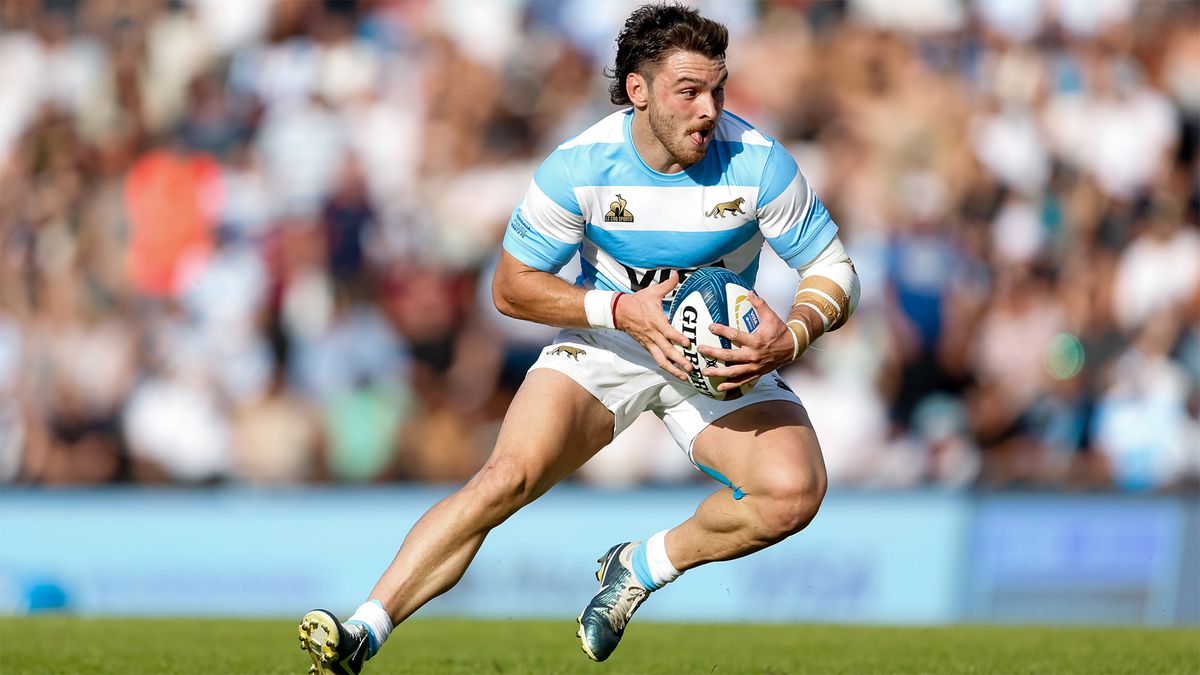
724	355
664	363
722	330
734	335
757	302
737	371
673	354
730	385
738	337
667	285
673	335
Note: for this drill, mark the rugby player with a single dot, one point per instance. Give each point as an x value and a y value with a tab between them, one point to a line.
670	183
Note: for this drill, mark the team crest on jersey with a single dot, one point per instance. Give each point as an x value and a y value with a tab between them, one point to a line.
617	213
733	207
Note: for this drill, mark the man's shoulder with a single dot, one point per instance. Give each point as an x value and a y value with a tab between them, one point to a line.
753	155
734	129
608	131
583	158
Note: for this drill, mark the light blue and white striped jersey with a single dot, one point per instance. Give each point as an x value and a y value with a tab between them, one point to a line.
633	225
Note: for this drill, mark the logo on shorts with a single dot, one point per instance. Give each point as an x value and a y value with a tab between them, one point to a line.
617	213
571	352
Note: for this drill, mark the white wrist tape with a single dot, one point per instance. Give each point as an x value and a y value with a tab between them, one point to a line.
796	337
598	305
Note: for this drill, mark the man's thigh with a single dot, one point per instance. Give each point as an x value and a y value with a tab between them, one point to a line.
551	428
762	448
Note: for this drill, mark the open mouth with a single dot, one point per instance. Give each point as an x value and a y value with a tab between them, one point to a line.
700	136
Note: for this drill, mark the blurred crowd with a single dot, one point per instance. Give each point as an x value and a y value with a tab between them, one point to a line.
252	241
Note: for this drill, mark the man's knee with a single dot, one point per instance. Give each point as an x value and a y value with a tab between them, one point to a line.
502	487
786	501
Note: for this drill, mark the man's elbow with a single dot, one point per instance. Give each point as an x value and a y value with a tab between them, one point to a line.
503	297
830	285
846	279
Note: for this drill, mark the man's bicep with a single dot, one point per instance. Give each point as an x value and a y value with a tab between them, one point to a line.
545	230
793	220
531	294
510	281
508	270
532	245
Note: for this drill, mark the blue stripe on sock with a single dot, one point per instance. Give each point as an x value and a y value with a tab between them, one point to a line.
372	641
641	568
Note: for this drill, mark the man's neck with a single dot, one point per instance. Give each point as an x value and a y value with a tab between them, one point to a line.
648	147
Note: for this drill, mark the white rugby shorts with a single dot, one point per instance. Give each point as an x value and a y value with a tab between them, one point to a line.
622	375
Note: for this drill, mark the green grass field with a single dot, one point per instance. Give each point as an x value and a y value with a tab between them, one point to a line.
71	645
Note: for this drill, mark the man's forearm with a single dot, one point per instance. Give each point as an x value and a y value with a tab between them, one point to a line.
541	297
827	296
530	294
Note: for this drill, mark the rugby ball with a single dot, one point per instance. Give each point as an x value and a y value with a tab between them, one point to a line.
711	295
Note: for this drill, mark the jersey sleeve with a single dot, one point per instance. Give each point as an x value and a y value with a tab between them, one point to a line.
790	215
545	230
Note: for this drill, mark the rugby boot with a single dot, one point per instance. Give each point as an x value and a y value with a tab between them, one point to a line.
603	621
334	647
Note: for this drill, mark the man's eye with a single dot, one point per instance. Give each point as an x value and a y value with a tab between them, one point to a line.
688	92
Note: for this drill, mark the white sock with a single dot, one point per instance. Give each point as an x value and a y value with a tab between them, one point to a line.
379	625
656	559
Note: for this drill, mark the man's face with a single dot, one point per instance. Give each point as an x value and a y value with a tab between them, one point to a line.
687	95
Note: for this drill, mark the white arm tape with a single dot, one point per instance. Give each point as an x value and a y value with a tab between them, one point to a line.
796	337
599	309
834	264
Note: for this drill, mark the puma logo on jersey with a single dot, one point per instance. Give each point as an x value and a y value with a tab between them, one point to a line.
721	209
617	213
572	352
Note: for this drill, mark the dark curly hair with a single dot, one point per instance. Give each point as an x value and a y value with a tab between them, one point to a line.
655	30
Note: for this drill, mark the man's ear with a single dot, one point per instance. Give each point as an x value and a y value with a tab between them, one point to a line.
638	90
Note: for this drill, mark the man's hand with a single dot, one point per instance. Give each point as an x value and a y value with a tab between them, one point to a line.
754	354
641	315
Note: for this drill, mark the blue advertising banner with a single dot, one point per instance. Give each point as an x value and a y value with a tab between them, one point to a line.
1095	559
920	558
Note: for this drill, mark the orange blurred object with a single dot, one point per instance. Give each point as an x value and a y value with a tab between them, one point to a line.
172	200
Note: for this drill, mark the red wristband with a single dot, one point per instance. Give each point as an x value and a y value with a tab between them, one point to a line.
616	299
